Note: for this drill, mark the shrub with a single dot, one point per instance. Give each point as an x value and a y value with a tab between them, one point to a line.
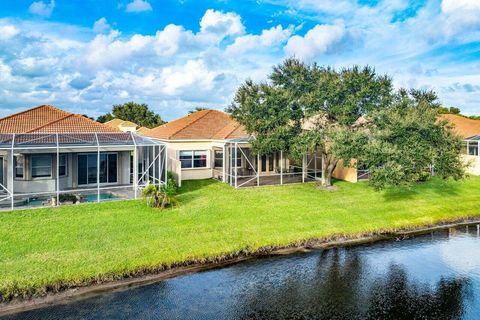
162	197
68	198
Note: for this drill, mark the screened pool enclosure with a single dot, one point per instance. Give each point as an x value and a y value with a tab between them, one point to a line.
236	164
53	169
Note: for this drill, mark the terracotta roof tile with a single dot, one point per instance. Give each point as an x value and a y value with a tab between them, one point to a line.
49	119
117	123
143	130
465	127
205	124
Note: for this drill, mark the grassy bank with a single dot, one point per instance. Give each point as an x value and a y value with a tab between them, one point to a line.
48	249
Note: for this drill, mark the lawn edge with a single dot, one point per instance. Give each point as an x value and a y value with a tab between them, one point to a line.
64	293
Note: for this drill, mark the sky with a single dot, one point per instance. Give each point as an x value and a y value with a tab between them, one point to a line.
85	55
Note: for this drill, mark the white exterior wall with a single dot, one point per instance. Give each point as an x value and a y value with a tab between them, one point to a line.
174	147
473	163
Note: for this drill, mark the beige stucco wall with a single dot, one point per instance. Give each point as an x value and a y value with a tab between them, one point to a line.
473	164
345	173
173	149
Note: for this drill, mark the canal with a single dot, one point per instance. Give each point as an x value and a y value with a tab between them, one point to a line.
433	276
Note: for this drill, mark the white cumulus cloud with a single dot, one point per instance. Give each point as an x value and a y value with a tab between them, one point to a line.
8	32
318	40
221	24
269	38
459	15
41	8
101	25
138	6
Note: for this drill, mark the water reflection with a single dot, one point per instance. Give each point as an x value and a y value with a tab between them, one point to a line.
430	277
345	288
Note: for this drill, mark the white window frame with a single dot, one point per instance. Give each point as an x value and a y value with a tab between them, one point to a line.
207	163
215	158
16	166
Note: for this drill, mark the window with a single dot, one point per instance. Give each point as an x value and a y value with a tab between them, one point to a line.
218	159
88	164
473	148
200	159
41	166
19	161
193	159
62	165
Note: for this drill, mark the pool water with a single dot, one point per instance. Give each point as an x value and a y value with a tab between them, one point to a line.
103	196
435	276
39	201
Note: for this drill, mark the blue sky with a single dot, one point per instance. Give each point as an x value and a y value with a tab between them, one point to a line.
175	55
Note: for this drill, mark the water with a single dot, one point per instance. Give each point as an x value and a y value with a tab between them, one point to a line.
40	201
103	196
436	276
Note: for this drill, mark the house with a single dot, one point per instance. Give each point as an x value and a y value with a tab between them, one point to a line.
469	130
48	155
210	144
122	125
127	126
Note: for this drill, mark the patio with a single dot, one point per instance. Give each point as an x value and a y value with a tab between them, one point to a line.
53	169
240	167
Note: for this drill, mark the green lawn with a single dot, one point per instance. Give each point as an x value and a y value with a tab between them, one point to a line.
76	244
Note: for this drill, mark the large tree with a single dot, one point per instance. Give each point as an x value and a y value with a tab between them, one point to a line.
408	140
337	106
134	112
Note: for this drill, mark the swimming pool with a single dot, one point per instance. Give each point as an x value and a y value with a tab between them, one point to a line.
41	201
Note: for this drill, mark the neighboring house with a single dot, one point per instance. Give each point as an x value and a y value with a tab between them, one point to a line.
143	131
127	126
48	155
210	144
469	130
122	125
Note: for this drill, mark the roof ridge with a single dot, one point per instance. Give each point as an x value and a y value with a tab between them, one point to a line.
50	123
234	128
96	122
225	126
31	109
190	123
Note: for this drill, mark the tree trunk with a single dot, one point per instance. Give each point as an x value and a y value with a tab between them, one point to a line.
328	166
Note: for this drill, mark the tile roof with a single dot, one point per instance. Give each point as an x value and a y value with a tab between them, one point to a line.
143	131
465	127
204	125
117	123
49	119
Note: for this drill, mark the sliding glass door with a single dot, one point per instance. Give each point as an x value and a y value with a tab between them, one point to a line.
88	164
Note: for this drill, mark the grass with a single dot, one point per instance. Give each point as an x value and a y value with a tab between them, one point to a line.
49	249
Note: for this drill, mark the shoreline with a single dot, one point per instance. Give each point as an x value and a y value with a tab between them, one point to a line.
146	277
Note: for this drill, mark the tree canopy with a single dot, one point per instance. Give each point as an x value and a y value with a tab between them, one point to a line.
196	110
408	139
353	115
134	112
449	110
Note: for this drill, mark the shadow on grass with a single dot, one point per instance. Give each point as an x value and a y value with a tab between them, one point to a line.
437	186
194	185
187	192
